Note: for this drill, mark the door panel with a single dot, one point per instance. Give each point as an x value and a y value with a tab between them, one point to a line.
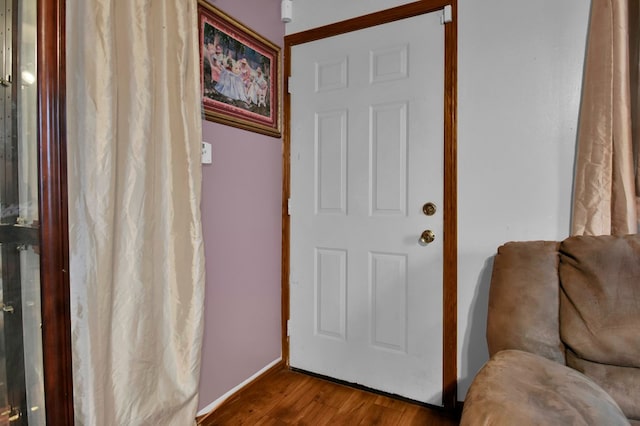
366	155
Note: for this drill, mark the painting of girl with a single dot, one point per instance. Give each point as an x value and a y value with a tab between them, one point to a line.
239	72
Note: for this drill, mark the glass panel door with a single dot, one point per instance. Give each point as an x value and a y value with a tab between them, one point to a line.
21	364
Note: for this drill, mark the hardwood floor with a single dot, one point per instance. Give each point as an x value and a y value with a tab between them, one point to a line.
283	397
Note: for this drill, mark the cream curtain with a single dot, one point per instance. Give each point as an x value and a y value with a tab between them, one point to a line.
607	189
136	249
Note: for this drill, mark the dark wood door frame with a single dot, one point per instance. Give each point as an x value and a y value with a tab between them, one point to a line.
450	237
54	239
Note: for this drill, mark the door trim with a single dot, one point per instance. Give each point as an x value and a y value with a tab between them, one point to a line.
54	240
450	231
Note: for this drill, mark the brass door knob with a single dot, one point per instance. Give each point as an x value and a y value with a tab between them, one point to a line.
427	237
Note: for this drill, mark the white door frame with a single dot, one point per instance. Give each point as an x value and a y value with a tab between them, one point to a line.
450	267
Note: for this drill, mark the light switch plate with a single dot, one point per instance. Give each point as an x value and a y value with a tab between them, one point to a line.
207	155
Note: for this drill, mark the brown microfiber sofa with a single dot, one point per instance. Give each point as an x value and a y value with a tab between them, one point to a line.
563	332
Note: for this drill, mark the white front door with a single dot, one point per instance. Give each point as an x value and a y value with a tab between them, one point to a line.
366	156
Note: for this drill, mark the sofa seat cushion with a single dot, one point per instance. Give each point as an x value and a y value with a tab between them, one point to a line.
521	388
622	383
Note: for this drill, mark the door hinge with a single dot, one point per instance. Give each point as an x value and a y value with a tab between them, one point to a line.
12	414
447	15
289	208
289	83
288	327
6	82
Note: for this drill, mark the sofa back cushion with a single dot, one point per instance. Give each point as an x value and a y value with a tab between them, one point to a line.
600	312
524	300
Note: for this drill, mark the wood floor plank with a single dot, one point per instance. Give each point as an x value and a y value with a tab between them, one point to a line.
377	415
270	421
285	397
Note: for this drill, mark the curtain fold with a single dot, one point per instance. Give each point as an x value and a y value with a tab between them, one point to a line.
136	247
605	189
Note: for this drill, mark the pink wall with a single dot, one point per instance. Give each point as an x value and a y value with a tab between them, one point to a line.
241	214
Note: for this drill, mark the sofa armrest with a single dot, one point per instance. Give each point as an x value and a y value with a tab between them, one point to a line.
521	388
524	300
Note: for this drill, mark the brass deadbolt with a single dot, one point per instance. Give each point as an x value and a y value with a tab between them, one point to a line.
429	209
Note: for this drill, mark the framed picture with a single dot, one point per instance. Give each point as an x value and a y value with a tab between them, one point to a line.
240	73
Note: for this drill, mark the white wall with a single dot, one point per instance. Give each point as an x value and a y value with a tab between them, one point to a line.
520	72
519	78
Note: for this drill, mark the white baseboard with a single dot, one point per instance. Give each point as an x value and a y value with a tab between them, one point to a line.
215	404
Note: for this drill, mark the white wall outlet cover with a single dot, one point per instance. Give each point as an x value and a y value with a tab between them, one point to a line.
207	154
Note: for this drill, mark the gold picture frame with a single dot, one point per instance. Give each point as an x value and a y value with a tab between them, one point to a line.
239	72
